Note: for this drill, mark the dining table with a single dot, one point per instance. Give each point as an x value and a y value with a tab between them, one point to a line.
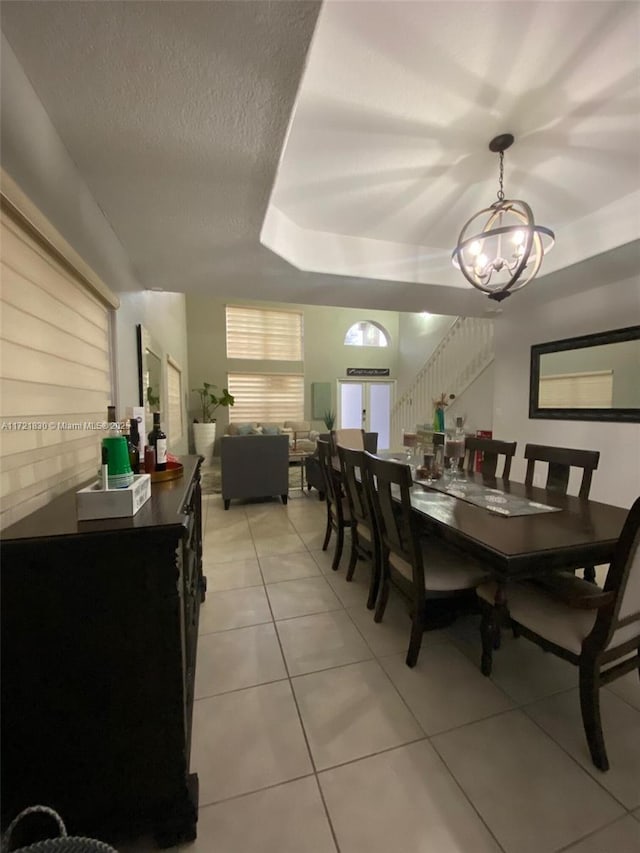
559	532
572	533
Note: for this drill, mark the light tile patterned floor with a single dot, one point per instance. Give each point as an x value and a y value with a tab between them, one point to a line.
310	734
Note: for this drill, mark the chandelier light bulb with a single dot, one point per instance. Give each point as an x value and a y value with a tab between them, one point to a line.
482	253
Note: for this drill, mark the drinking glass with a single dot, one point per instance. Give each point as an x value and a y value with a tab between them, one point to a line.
410	441
454	450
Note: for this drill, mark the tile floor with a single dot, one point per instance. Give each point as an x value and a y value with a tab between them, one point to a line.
310	734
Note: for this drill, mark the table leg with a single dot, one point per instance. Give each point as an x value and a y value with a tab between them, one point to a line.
492	618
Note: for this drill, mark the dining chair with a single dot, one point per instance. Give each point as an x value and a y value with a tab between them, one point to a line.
561	460
491	449
338	516
352	438
364	536
424	569
596	629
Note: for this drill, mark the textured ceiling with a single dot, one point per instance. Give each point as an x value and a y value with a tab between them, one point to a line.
176	115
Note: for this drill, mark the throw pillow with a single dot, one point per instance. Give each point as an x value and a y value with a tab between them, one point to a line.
269	429
245	429
256	431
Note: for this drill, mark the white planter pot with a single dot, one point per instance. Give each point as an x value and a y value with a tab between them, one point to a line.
204	436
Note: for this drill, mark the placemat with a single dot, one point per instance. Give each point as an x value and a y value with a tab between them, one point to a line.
493	500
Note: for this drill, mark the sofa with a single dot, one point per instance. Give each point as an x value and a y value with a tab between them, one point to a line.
301	437
254	466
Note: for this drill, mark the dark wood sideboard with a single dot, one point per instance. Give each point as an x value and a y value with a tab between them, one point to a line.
99	637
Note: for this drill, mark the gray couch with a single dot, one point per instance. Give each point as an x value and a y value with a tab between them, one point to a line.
254	466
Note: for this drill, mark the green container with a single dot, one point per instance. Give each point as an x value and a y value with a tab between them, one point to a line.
118	455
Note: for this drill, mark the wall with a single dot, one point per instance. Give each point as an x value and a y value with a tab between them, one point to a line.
325	356
584	309
34	156
418	337
164	316
475	405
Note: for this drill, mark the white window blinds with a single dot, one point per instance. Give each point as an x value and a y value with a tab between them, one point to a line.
266	398
174	400
264	334
55	376
593	390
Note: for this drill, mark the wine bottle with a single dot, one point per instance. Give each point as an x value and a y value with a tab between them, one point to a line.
114	426
158	440
134	445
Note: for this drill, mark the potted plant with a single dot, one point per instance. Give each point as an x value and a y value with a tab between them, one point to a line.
329	419
204	428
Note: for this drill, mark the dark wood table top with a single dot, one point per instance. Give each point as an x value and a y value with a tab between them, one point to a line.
583	533
59	517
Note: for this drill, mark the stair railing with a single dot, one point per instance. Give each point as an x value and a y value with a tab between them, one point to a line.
460	357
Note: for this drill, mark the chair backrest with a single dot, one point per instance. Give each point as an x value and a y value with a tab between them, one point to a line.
390	486
491	449
328	476
561	460
355	485
254	465
622	616
371	442
352	438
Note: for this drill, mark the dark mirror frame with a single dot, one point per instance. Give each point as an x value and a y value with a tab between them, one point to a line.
631	333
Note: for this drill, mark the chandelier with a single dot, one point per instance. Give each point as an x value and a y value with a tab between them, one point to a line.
500	249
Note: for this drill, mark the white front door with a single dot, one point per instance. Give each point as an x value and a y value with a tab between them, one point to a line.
367	406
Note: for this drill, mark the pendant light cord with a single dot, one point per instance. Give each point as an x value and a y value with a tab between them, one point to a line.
500	191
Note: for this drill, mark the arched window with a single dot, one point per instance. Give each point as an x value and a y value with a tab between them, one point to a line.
366	334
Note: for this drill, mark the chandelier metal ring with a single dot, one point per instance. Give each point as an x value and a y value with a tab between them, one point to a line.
499	251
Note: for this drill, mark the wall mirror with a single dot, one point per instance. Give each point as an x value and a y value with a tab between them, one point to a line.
589	378
149	373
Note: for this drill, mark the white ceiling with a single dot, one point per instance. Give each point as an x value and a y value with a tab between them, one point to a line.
176	115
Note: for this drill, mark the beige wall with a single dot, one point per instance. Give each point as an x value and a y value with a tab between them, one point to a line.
419	335
325	356
164	316
586	310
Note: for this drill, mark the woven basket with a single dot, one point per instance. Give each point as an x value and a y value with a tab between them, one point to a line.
62	844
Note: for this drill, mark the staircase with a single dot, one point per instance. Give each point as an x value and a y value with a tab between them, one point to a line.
460	357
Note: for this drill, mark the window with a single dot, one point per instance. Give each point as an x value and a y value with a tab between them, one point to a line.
266	397
264	334
366	334
56	366
174	400
592	390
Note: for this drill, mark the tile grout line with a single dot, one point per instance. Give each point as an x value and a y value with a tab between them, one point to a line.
574	759
567	847
300	720
426	737
519	705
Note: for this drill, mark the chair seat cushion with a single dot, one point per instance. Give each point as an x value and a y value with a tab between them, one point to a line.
555	621
552	619
444	568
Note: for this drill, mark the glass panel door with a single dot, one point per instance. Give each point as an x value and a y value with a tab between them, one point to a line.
351	405
367	405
